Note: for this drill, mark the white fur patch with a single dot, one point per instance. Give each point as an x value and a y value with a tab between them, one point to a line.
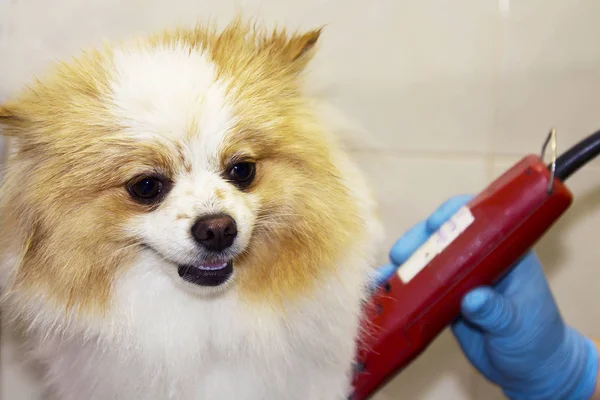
169	92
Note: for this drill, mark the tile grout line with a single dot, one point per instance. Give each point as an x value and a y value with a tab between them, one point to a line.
445	154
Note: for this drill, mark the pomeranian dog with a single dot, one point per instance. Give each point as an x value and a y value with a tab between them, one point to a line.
179	221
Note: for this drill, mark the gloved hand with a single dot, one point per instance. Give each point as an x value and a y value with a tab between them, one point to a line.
513	333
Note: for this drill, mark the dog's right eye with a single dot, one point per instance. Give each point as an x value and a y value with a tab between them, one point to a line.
147	189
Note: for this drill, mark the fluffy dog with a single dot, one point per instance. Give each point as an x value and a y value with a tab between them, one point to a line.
179	222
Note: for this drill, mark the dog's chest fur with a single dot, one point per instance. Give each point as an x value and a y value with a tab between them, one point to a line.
164	344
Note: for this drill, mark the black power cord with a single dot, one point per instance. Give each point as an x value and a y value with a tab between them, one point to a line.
577	156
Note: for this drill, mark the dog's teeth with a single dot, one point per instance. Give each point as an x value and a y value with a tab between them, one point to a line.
211	267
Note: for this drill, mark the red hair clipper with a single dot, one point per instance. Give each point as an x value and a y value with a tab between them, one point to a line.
476	247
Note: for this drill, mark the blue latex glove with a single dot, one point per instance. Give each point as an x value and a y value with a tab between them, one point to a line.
513	333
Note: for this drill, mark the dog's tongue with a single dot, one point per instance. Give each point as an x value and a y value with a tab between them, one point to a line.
212	266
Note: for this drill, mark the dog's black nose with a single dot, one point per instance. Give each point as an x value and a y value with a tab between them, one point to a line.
215	232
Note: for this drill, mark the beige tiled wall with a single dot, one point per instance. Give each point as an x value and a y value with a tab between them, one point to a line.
452	93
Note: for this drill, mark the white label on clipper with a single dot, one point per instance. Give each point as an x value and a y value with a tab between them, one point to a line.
436	244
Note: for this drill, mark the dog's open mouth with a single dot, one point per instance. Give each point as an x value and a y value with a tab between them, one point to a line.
213	273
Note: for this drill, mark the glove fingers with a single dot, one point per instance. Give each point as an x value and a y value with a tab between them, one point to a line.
445	211
408	243
489	311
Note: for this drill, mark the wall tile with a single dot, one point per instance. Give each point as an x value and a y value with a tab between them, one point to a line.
548	74
419	75
17	381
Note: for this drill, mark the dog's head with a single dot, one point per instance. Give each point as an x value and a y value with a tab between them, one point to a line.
195	149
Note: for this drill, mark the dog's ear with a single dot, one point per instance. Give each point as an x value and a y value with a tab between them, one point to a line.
12	121
296	50
300	49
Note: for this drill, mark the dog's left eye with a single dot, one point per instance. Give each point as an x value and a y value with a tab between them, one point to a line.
147	189
242	174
